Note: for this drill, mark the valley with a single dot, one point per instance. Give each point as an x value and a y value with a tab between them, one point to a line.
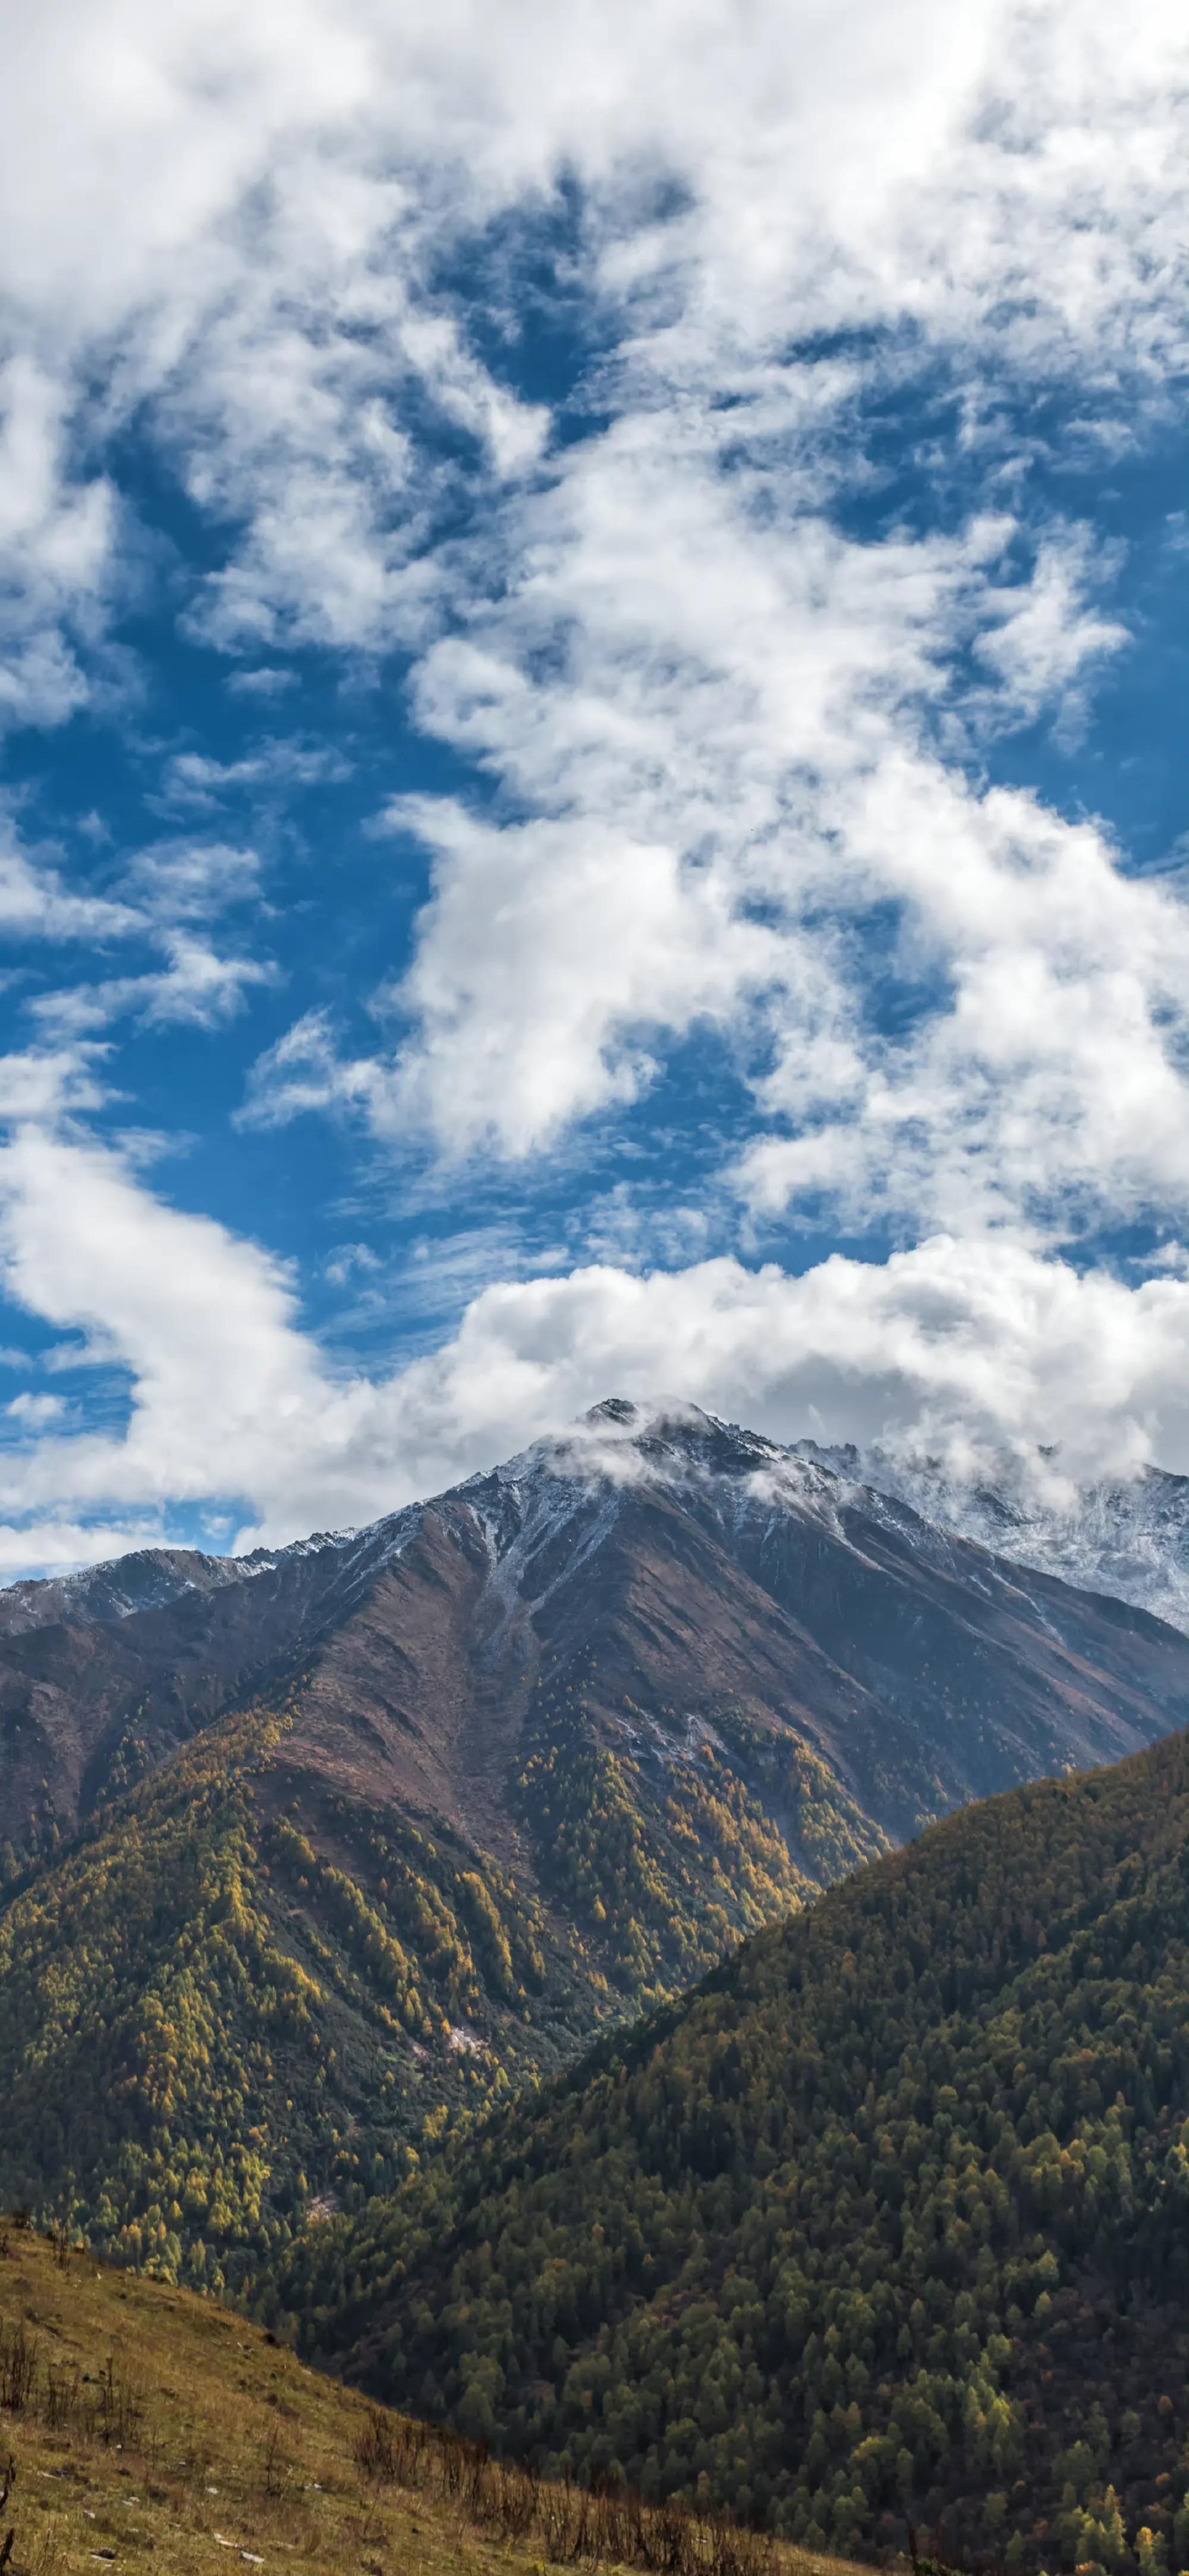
888	2219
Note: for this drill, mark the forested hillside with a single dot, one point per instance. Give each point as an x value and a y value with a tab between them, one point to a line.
891	2217
243	1992
532	1759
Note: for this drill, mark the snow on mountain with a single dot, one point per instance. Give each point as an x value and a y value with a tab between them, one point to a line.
1125	1537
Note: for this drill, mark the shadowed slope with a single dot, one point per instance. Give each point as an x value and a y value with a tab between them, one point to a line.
891	2216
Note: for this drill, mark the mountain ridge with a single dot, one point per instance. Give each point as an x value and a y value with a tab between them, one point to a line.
389	1821
174	1638
1124	1536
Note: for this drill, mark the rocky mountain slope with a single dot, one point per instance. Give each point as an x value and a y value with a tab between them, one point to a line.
693	1562
310	1852
889	2219
1125	1536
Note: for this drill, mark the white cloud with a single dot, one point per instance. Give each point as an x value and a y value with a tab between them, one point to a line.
304	1072
267	681
42	1086
55	540
341	1265
1051	636
721	740
174	886
191	880
203	1324
193	780
266	196
1051	1082
35	904
33	1412
964	1346
59	1547
980	1344
196	987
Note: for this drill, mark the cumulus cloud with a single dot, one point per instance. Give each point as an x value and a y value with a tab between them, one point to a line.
269	201
970	1346
722	743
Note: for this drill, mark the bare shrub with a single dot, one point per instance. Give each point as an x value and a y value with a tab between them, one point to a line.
18	2367
375	2448
572	2524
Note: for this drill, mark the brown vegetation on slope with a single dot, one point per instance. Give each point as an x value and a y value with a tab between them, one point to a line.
139	2423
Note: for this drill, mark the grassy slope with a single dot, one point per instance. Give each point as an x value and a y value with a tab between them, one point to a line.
891	2216
187	2441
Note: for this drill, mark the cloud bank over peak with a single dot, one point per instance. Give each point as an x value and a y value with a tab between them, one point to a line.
965	1346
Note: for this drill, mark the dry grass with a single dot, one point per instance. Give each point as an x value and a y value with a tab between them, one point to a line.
143	2427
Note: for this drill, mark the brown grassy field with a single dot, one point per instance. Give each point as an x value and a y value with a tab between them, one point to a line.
143	2427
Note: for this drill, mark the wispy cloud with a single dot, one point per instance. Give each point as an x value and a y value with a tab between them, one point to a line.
36	902
191	879
194	782
195	985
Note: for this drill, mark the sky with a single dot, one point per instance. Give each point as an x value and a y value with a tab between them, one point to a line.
593	688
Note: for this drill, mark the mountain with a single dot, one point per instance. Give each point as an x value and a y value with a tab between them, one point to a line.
699	1562
889	2219
141	2421
314	1852
1125	1536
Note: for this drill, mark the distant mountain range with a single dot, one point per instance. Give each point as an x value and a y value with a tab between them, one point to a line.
1125	1536
309	1851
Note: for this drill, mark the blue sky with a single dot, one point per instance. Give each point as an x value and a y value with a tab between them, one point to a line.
592	796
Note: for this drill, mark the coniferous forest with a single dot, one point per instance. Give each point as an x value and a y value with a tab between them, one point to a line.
889	2220
239	1995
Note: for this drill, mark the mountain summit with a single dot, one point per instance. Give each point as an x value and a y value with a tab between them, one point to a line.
683	1558
316	1847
